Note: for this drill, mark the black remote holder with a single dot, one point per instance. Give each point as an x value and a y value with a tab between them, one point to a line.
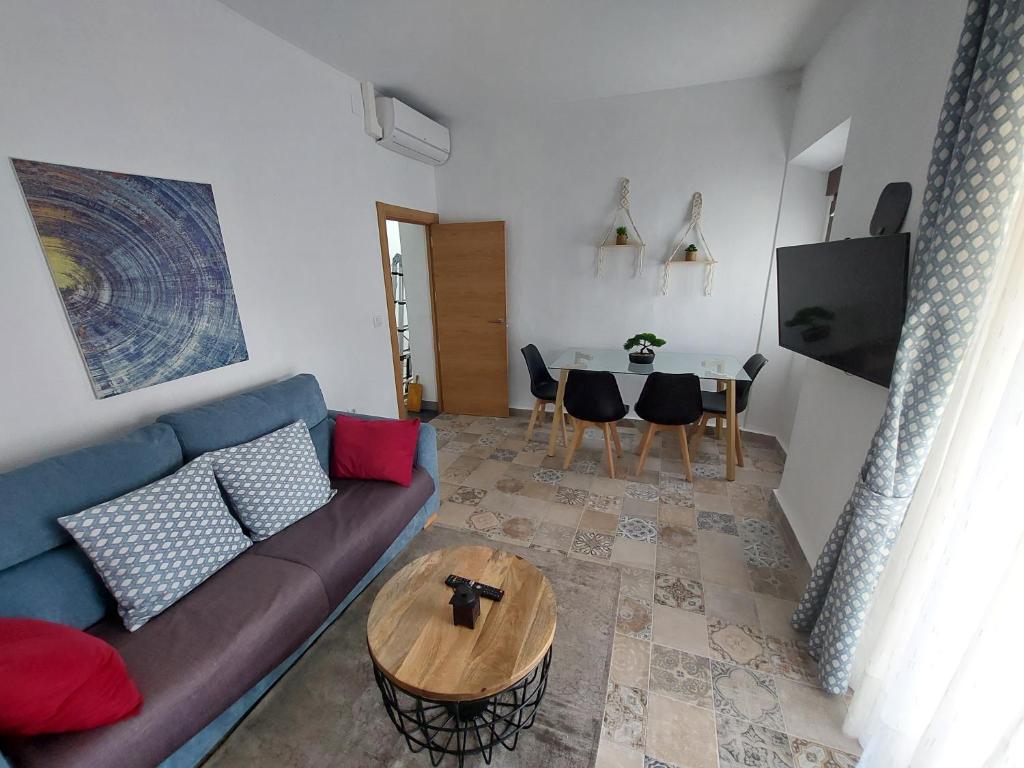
484	590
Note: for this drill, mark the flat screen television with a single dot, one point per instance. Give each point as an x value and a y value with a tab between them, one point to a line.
843	303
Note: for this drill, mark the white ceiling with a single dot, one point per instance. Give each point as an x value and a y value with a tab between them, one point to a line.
447	56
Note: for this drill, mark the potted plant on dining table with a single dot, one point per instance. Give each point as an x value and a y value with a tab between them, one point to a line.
647	343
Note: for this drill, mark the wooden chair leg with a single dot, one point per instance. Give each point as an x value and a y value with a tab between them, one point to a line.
578	428
618	442
739	447
684	446
719	419
565	432
608	449
645	446
702	426
537	405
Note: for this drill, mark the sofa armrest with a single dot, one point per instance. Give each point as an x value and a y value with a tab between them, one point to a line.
426	451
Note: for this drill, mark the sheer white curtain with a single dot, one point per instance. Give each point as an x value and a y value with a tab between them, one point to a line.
938	678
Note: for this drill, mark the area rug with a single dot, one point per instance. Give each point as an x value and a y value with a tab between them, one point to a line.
327	711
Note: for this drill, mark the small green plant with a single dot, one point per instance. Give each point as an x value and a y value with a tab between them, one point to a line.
646	341
692	247
621	231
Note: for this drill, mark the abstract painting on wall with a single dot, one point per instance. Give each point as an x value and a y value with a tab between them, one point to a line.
141	269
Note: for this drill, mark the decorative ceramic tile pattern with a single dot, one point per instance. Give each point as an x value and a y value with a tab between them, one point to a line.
624	714
807	754
677	592
637	529
746	694
681	676
743	745
587	515
642	491
717	521
571	496
549	476
634	618
593	544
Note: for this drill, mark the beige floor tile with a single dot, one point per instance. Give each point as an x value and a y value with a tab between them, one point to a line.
486	475
679	562
680	734
528	459
553	537
707	486
722	561
636	582
598	521
612	755
577	480
454	515
635	554
608	486
496	501
774	615
528	506
535	490
563	514
639	508
631	660
811	713
681	629
732	605
684	517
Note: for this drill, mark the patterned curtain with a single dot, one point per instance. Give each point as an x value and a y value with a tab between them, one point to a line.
972	182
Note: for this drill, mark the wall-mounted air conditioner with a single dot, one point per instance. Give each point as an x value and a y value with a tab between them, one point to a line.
406	131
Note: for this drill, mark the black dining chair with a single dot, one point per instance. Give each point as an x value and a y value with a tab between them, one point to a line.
592	399
714	404
544	389
669	401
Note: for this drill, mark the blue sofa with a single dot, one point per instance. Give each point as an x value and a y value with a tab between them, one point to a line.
259	613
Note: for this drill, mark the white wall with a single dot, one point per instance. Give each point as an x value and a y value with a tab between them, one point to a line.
421	320
885	67
190	90
553	175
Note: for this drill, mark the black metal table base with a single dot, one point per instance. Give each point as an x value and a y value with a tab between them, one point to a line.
462	728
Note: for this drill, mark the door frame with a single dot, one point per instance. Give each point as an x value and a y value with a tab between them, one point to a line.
385	213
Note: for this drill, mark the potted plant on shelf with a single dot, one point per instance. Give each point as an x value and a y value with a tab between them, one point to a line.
691	252
621	236
647	343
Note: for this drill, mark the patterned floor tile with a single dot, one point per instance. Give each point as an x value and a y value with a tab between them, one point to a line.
503	454
515	530
791	659
572	496
707	471
746	694
717	521
737	644
675	491
599	502
593	544
679	562
636	582
485	521
625	713
682	676
631	661
509	484
490	440
743	745
585	466
808	754
766	555
650	762
642	491
548	476
677	592
637	529
467	495
774	582
634	618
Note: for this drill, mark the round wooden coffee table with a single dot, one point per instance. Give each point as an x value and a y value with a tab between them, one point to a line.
453	690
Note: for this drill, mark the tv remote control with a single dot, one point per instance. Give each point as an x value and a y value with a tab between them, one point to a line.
491	593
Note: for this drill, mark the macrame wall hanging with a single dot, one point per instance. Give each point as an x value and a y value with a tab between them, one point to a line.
677	255
609	241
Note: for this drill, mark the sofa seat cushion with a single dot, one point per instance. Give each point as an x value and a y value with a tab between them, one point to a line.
343	539
193	661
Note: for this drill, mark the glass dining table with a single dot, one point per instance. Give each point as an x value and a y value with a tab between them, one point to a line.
725	369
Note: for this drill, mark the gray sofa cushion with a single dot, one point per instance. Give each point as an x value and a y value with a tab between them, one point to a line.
274	480
191	663
154	545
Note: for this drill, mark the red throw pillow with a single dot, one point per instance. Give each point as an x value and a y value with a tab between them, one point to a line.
374	449
55	678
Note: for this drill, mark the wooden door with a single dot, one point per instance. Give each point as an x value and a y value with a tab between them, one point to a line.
468	280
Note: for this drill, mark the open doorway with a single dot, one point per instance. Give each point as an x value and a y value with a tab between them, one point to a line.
406	261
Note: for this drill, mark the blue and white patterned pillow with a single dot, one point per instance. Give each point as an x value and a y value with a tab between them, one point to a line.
156	544
274	480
